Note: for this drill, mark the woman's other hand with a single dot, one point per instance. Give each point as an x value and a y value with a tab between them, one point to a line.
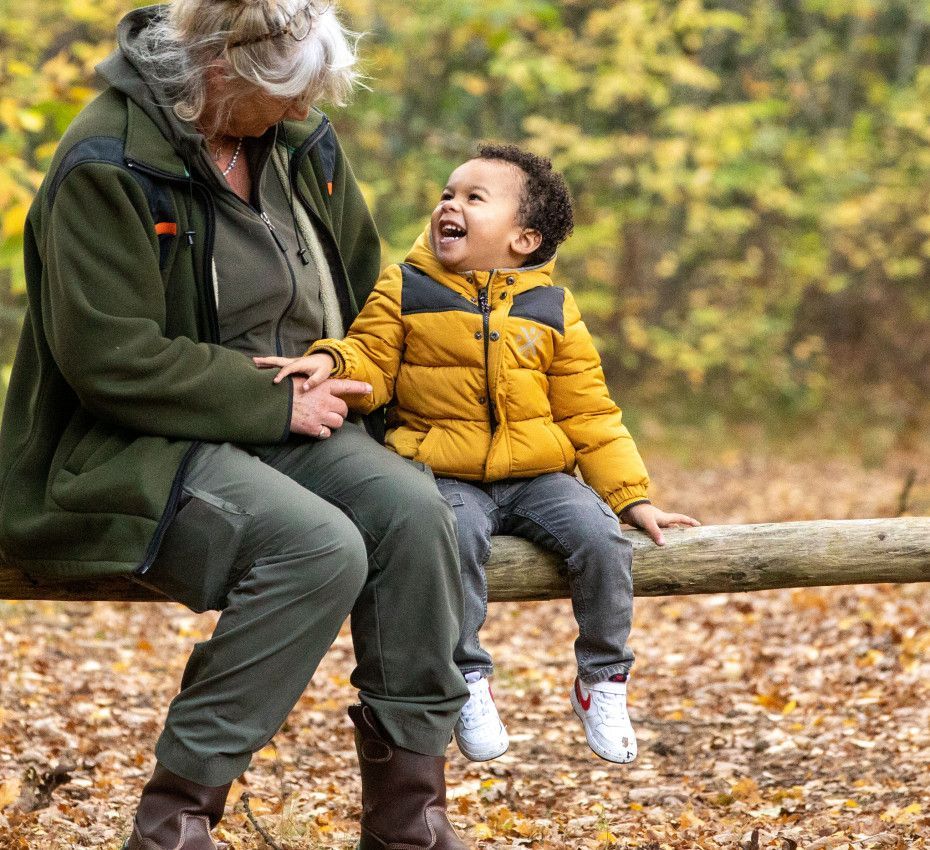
319	411
652	520
317	367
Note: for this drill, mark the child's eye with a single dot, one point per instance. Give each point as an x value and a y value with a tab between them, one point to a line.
445	196
474	196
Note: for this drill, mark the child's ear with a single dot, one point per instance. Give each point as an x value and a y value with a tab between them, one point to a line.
527	241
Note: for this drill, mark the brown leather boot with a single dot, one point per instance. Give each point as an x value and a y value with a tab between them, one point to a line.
403	792
176	814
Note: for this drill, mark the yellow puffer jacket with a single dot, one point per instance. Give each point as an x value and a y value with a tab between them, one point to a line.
494	375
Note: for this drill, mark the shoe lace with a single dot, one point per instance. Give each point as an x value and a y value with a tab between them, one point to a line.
479	706
611	707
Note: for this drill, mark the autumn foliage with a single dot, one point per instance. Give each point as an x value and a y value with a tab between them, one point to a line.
750	178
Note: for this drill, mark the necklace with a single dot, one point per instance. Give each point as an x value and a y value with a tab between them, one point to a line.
234	160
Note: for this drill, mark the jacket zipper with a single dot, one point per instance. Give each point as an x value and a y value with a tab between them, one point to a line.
208	244
171	508
486	318
279	350
331	247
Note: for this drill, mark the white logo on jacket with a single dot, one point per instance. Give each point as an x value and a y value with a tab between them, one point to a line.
531	337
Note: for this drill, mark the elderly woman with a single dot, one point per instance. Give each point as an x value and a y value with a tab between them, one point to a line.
198	213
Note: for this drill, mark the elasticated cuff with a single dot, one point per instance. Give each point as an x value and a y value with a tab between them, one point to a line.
605	673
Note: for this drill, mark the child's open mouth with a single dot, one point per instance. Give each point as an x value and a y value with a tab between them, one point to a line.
450	232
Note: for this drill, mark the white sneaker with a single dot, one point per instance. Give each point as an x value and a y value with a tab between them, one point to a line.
602	710
479	732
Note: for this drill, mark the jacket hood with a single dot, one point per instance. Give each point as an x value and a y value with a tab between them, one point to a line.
422	256
128	72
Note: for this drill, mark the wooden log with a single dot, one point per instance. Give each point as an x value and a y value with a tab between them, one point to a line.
709	559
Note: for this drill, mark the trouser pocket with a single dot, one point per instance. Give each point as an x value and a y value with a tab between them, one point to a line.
197	562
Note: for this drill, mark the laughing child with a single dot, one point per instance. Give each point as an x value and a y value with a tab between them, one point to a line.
497	386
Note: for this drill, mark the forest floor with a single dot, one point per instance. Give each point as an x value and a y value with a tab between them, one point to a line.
784	719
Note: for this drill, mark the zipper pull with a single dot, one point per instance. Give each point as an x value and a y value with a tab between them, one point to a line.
273	232
483	301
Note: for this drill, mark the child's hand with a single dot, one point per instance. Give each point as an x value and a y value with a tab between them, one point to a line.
317	367
652	520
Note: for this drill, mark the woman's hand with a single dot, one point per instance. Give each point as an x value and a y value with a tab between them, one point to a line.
317	367
652	520
319	411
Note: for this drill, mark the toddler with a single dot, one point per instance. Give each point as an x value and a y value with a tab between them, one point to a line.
497	386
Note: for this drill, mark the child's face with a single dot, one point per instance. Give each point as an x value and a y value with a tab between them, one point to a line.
475	226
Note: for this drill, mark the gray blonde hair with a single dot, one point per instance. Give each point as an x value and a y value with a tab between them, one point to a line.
250	38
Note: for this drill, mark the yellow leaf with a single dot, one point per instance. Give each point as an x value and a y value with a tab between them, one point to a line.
745	789
14	220
687	820
81	93
772	702
46	151
268	753
31	120
636	807
20	69
790	706
605	836
9	791
482	831
525	828
908	812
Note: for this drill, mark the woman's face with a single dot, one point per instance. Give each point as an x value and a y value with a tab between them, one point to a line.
253	115
249	111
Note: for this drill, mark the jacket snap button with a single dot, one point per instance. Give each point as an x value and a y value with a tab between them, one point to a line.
477	334
481	399
511	280
503	296
495	336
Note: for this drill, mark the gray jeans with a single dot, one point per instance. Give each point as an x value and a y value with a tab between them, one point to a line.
558	512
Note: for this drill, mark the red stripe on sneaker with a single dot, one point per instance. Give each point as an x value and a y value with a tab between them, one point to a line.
584	703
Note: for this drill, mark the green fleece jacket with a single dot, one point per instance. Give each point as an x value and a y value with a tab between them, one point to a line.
118	373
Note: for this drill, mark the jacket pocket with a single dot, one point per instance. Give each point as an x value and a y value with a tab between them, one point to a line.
427	445
564	444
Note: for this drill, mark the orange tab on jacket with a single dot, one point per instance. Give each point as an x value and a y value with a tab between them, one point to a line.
166	228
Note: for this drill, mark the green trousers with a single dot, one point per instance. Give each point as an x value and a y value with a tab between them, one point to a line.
287	542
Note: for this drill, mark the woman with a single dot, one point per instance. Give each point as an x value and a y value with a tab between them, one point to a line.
197	214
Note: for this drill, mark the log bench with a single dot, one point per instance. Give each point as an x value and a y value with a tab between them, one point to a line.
708	559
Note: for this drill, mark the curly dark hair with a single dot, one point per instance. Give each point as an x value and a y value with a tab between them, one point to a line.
545	204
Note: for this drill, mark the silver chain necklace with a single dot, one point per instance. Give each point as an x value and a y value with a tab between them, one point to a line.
235	158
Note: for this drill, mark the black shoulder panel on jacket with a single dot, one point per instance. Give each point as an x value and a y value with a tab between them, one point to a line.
110	150
327	150
421	294
544	304
94	149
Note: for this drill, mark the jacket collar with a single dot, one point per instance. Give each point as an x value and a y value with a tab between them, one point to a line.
467	283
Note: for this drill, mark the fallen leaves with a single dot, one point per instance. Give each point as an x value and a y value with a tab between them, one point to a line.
799	716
